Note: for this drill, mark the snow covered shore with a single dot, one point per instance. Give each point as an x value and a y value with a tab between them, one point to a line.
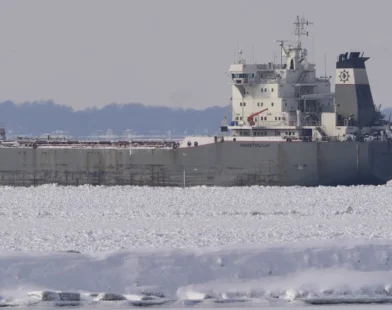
288	272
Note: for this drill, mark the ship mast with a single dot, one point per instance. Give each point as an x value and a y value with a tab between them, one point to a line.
300	30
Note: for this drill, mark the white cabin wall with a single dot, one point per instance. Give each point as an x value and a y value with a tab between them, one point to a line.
328	122
286	91
236	99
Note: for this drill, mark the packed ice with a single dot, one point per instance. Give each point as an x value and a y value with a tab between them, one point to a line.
158	245
90	219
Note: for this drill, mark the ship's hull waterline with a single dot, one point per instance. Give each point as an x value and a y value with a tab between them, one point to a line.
218	164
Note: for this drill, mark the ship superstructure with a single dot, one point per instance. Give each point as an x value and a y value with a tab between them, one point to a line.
285	99
289	102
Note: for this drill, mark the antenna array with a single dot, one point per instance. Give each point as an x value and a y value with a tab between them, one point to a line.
300	29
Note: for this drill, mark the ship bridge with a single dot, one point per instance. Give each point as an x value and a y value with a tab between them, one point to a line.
273	98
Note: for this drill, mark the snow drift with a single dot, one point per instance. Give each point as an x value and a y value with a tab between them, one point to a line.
340	268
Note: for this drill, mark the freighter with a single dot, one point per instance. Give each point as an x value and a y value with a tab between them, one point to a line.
287	128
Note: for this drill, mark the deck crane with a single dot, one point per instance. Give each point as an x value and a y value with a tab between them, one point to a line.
250	117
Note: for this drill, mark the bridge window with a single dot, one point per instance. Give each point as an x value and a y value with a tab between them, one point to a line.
242	75
272	104
258	104
276	118
272	90
265	89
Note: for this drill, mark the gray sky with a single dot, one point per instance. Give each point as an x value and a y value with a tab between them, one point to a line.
171	52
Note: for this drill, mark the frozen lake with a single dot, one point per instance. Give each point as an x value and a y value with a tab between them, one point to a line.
196	244
103	219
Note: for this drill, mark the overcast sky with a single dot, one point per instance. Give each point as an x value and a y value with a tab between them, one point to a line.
172	52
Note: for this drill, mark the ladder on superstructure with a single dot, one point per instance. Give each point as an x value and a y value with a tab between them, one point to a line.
303	90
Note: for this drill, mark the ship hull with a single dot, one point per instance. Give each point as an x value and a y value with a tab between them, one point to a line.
217	164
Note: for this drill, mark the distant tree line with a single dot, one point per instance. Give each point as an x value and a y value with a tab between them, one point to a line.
36	118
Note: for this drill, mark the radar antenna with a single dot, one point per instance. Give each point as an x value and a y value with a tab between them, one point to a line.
300	29
282	49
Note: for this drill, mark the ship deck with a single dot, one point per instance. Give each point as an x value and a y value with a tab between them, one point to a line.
70	144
